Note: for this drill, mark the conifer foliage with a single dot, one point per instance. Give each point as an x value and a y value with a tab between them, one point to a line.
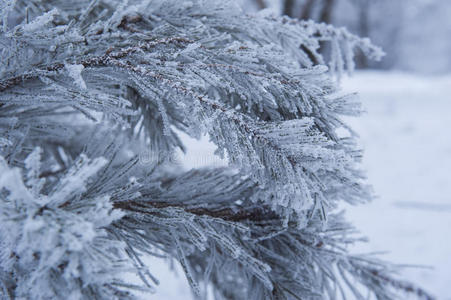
87	86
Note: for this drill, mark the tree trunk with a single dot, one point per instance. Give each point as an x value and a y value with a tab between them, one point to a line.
364	30
326	12
288	8
306	11
261	4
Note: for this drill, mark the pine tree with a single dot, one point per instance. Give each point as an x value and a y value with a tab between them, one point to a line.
86	86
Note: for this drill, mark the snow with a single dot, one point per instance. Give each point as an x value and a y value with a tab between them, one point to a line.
40	21
199	154
408	158
74	71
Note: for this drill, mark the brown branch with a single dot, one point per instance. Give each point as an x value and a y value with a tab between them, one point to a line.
313	58
110	54
326	12
204	100
306	11
51	173
127	20
288	7
227	214
112	57
261	4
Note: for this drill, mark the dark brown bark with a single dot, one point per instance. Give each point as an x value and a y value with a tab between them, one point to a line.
326	12
288	8
364	30
227	214
261	4
306	11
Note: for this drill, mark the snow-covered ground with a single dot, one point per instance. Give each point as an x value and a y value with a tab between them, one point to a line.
407	142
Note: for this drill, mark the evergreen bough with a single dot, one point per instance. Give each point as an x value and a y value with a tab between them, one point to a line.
88	86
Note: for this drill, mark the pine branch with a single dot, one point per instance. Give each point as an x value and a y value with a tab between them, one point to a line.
243	124
266	234
226	214
110	57
86	87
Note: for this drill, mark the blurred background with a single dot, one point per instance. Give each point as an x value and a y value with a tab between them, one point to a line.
404	132
415	34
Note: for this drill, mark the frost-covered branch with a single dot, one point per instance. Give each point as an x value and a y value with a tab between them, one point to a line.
86	87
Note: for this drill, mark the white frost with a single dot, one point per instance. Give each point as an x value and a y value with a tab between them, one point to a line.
75	72
40	21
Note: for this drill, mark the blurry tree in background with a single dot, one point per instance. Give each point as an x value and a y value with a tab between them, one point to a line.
414	34
425	43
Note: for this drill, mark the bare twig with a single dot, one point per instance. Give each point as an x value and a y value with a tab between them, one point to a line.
227	214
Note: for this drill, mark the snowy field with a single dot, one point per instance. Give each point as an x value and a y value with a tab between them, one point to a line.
407	142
